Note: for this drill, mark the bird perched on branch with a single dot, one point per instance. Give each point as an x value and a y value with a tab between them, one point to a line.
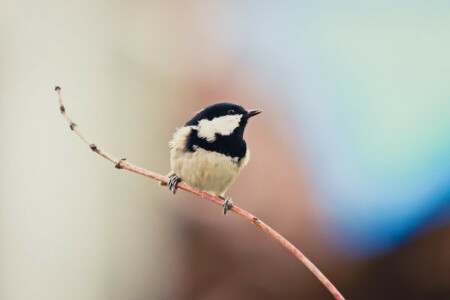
209	151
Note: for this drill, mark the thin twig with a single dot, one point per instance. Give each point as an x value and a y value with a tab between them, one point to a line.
122	164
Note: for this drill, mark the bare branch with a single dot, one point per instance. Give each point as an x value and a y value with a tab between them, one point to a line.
123	164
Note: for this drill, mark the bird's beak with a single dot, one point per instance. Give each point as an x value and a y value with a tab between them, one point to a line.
253	112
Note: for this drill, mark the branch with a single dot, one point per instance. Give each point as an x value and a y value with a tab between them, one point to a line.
121	163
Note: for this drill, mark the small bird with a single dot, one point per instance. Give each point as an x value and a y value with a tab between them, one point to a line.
209	151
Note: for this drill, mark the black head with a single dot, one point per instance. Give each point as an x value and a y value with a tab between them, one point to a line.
215	111
220	127
220	110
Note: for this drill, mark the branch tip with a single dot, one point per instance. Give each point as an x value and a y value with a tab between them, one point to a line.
57	88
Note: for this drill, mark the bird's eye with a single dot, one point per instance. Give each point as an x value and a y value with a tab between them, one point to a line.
231	112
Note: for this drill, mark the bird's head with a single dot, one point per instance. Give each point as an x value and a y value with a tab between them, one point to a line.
225	119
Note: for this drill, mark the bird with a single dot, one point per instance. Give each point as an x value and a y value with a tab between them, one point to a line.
209	151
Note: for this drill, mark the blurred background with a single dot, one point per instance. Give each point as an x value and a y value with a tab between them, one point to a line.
350	159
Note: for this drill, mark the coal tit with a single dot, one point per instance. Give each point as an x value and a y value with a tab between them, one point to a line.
209	151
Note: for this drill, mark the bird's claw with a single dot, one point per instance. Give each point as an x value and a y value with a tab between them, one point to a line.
173	181
227	204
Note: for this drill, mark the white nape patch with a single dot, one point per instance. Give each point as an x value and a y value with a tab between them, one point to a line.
179	138
224	125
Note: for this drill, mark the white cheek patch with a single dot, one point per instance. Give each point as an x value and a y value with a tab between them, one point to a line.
224	125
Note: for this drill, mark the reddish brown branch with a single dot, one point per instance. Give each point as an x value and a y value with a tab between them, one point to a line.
122	164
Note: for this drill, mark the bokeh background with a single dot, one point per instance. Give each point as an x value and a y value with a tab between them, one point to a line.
350	159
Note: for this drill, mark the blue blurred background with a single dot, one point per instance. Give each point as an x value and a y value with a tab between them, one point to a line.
367	89
350	159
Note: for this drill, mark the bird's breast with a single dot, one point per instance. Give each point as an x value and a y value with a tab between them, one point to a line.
207	170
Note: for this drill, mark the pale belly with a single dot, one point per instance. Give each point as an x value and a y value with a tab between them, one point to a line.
209	171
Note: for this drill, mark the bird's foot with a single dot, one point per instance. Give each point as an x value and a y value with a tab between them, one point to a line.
227	204
173	181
